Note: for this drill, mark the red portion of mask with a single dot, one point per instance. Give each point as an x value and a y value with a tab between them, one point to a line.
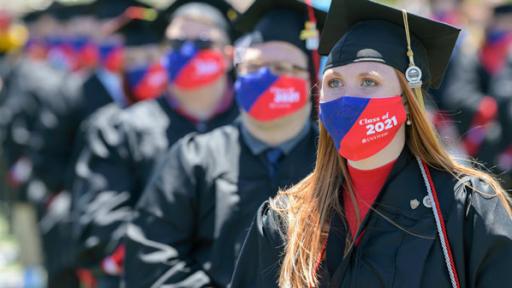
375	128
285	96
204	69
494	53
36	49
153	84
114	61
87	57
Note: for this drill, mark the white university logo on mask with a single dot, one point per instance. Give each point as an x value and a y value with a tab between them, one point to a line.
206	67
285	96
157	79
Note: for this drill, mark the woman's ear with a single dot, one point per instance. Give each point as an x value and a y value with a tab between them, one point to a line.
406	106
406	103
229	52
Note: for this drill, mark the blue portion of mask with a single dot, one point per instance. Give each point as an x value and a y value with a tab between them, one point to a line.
340	115
178	58
135	75
249	88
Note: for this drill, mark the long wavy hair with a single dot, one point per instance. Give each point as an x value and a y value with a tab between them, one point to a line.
312	202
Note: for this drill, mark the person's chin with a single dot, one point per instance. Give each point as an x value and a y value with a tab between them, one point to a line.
267	124
288	119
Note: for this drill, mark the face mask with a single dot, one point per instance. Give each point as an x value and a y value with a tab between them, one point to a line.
266	96
191	65
362	127
85	53
494	53
111	57
146	82
60	54
495	36
36	49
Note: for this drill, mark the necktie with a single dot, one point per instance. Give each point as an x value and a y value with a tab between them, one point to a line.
273	155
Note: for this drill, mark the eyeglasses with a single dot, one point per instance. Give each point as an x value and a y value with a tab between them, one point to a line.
277	67
201	44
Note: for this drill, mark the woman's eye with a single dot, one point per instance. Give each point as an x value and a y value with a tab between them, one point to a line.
252	68
280	69
334	83
368	83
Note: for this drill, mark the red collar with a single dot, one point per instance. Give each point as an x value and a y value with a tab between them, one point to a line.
367	185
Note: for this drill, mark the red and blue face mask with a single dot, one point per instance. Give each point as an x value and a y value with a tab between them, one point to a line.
495	50
193	64
60	54
266	96
72	54
362	127
36	49
146	82
111	56
85	52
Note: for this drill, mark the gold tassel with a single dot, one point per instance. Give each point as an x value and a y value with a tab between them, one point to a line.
413	69
419	97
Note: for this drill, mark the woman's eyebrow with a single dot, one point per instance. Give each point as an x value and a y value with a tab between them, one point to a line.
371	73
334	73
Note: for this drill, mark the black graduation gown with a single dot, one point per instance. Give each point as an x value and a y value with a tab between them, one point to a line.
31	89
502	89
5	71
194	214
88	139
479	231
54	157
116	164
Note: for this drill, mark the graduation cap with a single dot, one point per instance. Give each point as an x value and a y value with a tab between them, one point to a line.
290	21
107	9
65	12
362	30
226	9
54	10
140	27
228	12
33	16
502	10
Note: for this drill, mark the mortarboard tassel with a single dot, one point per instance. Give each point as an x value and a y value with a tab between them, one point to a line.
413	73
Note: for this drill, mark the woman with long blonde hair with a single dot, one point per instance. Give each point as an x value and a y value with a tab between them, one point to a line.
387	205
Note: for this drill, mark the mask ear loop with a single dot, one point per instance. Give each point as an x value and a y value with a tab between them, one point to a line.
413	74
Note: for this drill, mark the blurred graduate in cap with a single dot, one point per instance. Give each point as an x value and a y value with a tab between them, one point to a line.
55	156
477	90
72	51
501	88
122	148
386	205
192	217
130	55
79	99
72	47
29	87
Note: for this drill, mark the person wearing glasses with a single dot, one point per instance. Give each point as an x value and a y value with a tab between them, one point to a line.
193	216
